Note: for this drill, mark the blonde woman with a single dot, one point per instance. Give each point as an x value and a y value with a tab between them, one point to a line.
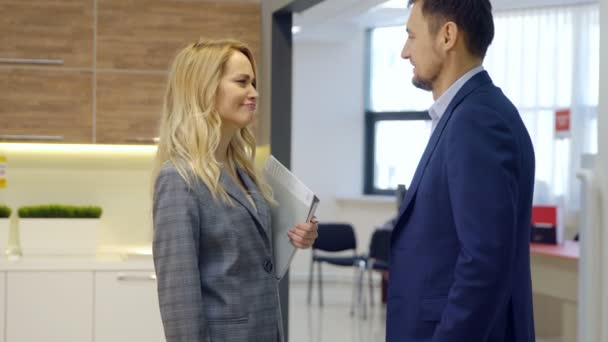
212	248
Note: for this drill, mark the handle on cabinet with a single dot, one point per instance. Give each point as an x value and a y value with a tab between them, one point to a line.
143	140
135	277
31	61
31	137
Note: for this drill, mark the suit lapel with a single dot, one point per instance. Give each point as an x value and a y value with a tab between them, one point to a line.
237	194
475	82
260	203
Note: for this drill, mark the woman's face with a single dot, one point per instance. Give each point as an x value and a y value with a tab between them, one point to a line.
237	95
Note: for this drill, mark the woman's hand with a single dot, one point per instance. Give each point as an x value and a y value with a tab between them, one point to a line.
303	235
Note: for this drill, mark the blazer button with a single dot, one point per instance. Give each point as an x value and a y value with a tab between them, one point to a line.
268	266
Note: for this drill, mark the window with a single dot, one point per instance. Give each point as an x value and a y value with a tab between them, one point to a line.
397	124
396	141
543	59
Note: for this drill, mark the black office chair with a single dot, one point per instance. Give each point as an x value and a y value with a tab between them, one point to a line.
378	257
335	237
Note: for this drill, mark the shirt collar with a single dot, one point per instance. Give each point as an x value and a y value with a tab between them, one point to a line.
438	108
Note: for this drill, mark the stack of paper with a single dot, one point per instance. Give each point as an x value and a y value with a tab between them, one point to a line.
296	204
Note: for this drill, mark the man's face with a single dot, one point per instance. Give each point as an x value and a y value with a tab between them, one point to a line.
421	48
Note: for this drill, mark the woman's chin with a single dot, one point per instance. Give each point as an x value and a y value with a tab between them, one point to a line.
248	119
240	121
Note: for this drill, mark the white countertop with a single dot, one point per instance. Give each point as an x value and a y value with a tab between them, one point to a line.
77	263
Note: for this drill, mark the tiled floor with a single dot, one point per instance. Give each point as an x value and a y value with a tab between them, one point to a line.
333	322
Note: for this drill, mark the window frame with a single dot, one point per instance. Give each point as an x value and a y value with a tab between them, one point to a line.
371	119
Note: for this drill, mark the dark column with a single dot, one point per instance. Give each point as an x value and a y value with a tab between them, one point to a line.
280	119
280	107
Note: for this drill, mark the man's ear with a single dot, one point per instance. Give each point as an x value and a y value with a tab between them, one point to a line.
448	35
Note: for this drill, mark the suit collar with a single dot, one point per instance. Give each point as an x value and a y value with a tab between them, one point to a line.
440	106
259	215
260	203
480	79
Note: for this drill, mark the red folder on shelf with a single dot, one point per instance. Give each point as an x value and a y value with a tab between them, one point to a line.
545	225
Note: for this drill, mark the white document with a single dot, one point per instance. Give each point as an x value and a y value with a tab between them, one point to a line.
296	204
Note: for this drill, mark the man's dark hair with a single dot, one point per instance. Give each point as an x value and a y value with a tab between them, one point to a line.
474	17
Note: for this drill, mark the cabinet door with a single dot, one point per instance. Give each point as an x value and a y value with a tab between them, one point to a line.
47	30
128	107
146	34
2	304
126	307
49	306
46	103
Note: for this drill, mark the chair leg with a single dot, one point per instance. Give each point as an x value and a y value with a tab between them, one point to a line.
371	284
310	280
362	302
320	279
355	287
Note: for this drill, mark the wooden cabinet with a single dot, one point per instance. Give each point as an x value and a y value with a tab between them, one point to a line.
42	29
146	34
129	103
128	107
115	54
49	306
126	307
46	102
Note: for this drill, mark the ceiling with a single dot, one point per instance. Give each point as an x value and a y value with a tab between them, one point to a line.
335	20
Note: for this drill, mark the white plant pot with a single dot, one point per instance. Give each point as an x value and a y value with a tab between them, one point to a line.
5	225
56	236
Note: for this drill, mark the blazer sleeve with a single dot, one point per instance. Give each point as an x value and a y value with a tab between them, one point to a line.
482	167
175	250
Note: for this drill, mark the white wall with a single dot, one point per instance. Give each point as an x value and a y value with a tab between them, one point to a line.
602	160
118	179
328	138
328	116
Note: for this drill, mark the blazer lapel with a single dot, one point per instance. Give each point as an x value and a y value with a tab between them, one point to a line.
237	194
475	82
260	203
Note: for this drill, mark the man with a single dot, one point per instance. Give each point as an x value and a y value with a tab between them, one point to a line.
460	268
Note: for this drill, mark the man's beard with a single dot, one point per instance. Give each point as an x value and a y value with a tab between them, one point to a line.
427	83
422	84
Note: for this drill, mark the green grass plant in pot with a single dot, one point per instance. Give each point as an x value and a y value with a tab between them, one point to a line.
5	224
57	229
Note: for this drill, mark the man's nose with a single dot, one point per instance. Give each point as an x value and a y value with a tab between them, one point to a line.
405	52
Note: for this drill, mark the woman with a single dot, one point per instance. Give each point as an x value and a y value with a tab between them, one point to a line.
212	247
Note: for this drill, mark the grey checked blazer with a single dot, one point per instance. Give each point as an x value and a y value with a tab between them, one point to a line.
213	262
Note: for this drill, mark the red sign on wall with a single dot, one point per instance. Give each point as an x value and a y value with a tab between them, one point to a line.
562	123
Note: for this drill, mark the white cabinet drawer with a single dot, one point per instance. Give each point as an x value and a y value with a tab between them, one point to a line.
126	307
49	306
2	304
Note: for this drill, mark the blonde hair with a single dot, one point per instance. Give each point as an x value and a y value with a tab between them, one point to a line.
190	127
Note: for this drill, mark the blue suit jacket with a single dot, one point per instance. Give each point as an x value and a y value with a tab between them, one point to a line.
460	261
